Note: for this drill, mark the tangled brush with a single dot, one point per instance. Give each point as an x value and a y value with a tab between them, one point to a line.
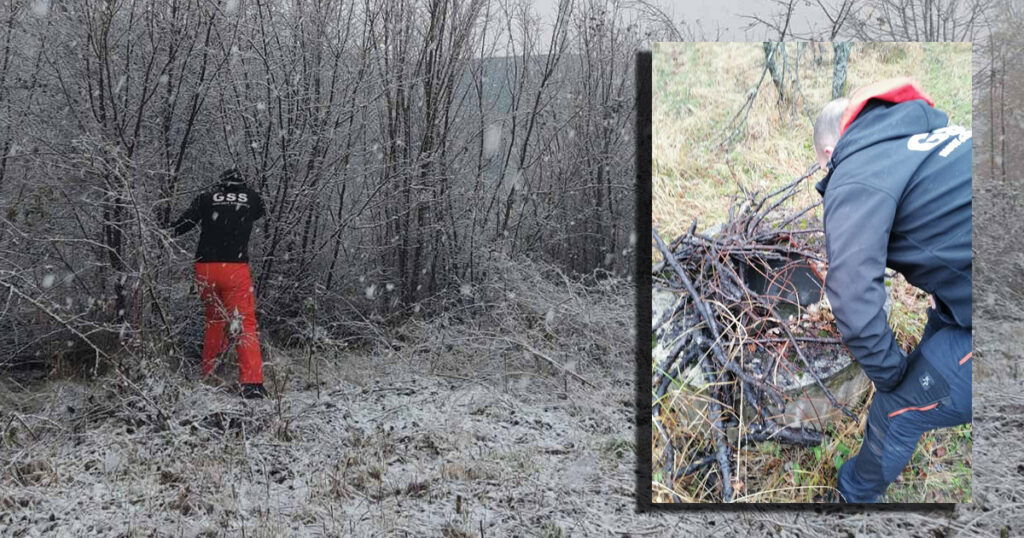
746	321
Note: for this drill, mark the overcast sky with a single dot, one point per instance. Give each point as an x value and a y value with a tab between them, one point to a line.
727	19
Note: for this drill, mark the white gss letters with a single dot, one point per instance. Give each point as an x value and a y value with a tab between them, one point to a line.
230	197
928	141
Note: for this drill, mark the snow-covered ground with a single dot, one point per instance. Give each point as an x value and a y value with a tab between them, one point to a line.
381	447
384	447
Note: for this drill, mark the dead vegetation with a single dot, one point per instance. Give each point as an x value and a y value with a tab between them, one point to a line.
746	326
470	434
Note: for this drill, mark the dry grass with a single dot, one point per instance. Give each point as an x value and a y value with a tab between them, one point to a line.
697	90
699	87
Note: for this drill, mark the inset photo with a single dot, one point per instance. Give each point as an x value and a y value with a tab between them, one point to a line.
811	248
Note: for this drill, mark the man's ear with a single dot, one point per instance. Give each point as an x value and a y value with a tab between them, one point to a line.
828	151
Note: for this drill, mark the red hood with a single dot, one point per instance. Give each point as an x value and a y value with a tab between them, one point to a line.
893	90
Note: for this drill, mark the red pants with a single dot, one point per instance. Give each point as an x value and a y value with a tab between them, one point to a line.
226	290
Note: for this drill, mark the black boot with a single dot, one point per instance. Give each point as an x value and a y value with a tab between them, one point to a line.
254	391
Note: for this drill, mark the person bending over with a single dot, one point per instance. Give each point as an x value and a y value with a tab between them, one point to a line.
897	194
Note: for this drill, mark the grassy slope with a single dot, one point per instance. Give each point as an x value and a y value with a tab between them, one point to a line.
698	87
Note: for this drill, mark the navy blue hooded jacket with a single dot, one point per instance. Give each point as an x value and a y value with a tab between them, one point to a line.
898	194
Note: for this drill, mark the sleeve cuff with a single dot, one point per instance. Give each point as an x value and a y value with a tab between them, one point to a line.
886	380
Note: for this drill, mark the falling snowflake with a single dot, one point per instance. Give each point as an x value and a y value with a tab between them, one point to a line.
466	290
371	290
236	323
390	287
40	8
230	6
492	139
48	281
632	239
214	215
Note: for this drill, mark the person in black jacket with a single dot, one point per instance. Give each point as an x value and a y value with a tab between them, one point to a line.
225	215
897	194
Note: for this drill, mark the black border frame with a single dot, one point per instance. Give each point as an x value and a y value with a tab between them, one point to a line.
644	491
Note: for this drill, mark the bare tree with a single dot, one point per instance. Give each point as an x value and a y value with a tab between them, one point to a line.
841	59
397	145
901	20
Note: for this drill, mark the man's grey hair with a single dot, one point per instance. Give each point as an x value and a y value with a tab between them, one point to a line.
826	127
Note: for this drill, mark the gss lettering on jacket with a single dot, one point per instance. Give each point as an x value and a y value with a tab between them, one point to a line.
230	197
225	215
928	141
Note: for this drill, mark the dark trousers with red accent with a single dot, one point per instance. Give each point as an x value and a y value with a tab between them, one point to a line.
227	294
935	393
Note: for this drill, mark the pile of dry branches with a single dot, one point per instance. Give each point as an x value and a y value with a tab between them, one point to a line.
737	334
